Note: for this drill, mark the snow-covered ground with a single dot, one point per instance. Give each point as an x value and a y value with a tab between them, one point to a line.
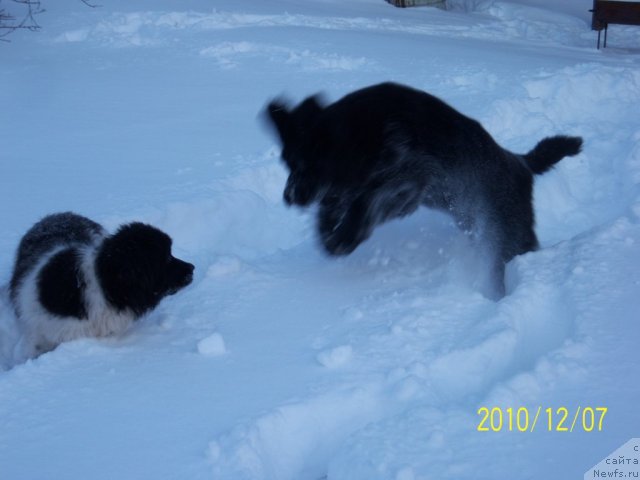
281	363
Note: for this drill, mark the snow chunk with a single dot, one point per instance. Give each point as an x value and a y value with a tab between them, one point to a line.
335	357
212	346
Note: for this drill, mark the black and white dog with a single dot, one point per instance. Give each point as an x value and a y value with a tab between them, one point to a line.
381	152
72	279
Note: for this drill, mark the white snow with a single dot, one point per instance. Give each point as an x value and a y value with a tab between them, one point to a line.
278	362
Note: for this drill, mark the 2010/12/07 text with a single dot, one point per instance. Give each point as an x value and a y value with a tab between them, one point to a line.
523	419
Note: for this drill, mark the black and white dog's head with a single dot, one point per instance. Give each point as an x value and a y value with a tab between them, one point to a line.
305	183
136	269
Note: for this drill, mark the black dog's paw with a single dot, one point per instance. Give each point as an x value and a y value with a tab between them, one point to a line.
343	223
341	234
338	237
335	243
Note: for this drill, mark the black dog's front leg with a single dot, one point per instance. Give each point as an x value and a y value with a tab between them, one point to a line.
344	224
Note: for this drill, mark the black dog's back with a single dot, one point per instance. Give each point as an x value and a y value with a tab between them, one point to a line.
369	126
52	231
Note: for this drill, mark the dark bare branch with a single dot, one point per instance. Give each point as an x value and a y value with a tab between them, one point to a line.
26	19
86	2
9	24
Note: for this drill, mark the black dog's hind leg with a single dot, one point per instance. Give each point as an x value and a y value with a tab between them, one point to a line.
496	288
503	242
344	223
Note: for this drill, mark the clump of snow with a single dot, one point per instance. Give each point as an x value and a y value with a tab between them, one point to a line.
335	357
212	346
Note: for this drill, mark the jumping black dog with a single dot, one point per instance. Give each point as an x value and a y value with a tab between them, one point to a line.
381	152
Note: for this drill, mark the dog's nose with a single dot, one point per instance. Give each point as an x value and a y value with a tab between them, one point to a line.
188	277
186	270
288	196
190	269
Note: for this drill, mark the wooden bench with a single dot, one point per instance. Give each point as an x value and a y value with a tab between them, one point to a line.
613	11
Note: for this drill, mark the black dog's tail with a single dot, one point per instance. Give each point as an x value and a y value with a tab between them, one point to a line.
550	151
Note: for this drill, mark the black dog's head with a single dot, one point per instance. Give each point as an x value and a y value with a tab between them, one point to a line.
136	269
298	132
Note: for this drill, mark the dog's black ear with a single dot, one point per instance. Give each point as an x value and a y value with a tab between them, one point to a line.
308	111
280	116
290	123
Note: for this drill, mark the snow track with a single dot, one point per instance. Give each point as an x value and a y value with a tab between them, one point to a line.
492	20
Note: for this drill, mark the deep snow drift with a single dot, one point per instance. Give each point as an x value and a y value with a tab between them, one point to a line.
281	363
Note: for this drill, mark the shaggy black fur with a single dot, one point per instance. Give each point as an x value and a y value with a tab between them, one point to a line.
381	152
69	271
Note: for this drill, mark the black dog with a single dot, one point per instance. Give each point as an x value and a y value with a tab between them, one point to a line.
71	279
381	152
